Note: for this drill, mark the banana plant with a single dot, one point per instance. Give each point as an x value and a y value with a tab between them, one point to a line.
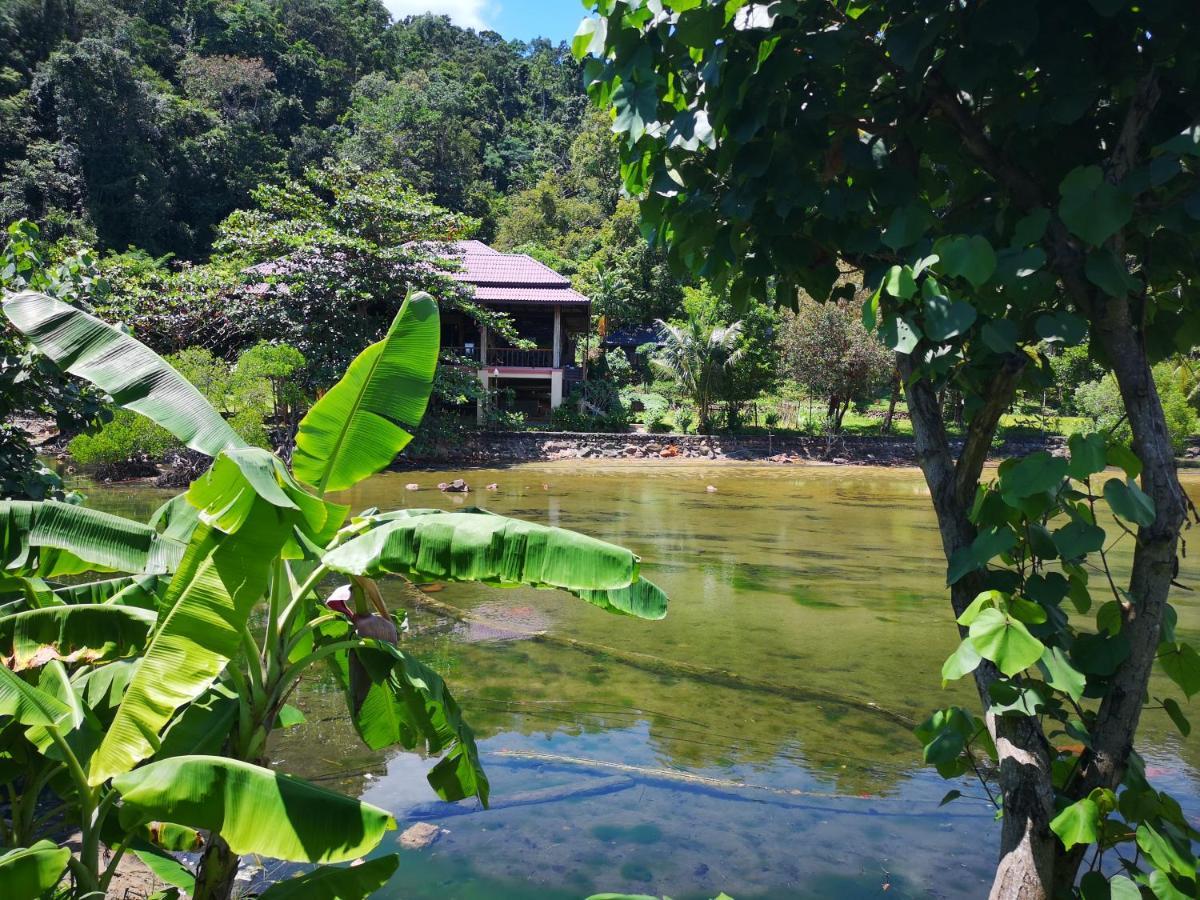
143	699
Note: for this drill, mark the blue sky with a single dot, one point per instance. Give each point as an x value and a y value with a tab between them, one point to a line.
523	19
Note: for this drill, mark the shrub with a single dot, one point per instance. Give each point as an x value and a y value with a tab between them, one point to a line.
1101	401
127	438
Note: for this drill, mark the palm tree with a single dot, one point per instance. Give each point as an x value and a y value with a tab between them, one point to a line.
696	354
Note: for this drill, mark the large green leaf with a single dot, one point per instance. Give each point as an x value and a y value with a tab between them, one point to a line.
28	873
135	376
29	705
643	599
1005	641
242	481
88	634
1078	823
124	590
335	883
402	701
368	417
207	604
479	546
254	809
50	539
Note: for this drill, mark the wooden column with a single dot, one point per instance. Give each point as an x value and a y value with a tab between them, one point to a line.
557	336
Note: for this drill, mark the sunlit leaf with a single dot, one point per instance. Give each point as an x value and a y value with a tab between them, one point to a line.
206	606
1079	823
368	417
479	546
53	539
335	883
135	376
254	809
29	873
1005	641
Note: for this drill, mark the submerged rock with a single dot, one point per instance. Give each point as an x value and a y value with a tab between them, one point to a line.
420	836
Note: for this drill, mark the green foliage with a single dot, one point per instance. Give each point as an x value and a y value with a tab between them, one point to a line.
826	348
30	384
124	688
147	126
128	438
1101	401
246	394
1002	181
1040	517
700	355
363	423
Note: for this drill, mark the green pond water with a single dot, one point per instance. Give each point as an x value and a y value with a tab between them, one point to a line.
826	581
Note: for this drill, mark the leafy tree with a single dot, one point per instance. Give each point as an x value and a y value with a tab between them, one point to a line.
998	175
1073	367
698	355
627	279
756	368
333	253
90	94
827	349
146	124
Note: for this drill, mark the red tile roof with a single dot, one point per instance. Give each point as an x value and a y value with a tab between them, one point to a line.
487	293
509	277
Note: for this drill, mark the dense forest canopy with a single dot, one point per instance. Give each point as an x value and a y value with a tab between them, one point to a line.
144	123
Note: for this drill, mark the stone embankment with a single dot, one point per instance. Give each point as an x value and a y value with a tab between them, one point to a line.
543	446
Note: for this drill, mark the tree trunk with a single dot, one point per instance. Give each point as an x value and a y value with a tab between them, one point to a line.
886	426
1025	868
217	869
1155	563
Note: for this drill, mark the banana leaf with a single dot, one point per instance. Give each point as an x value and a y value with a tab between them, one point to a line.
202	726
89	634
80	728
125	590
30	705
176	519
242	480
206	607
254	809
28	873
642	599
368	417
135	376
48	539
479	546
407	703
166	869
102	687
334	883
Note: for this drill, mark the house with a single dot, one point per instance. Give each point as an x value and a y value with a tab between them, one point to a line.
544	309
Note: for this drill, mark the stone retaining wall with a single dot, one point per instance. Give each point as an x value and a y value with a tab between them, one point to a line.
533	446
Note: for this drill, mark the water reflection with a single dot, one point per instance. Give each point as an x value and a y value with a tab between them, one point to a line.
824	583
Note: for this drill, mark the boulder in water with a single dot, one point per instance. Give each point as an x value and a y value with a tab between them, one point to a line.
420	836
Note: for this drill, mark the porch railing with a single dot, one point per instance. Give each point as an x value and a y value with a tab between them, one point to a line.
539	358
509	357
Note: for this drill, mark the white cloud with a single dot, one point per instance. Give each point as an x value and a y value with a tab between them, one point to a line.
468	13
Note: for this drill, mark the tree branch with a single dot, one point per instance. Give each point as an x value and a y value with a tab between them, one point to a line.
1141	106
998	396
